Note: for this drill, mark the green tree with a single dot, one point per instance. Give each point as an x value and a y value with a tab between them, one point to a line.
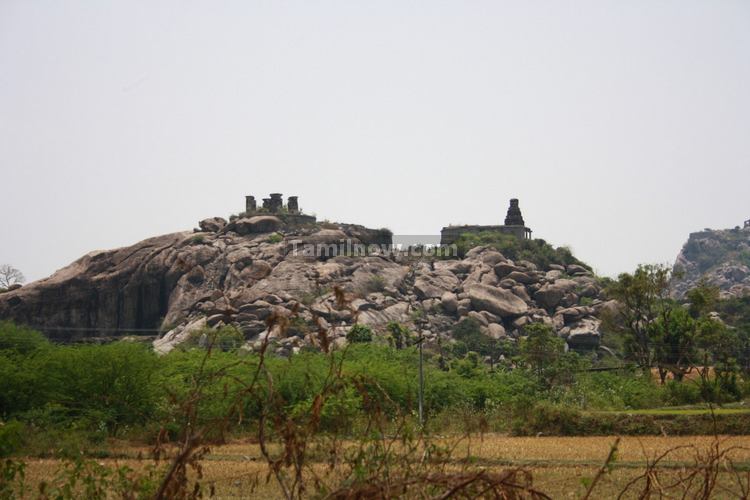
469	338
678	331
717	348
400	335
643	297
674	335
702	299
543	353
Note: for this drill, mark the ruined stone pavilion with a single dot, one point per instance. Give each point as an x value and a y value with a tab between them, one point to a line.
274	205
514	224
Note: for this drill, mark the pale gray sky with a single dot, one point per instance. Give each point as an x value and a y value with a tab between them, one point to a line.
621	125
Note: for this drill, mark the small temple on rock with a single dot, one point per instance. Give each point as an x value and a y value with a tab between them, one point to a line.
747	224
514	224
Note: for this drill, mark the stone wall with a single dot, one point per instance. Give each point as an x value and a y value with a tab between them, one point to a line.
295	220
449	235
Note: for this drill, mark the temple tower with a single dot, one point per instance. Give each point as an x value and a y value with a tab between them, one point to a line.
514	217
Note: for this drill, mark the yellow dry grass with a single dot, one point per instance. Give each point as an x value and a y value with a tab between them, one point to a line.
558	463
496	447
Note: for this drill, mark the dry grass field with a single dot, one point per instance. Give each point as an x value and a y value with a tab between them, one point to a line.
559	464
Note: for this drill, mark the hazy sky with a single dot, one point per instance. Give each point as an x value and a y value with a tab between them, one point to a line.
622	126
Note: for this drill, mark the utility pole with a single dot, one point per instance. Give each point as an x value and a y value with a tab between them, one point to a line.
421	379
421	323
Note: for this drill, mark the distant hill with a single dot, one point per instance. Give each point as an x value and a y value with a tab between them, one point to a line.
720	257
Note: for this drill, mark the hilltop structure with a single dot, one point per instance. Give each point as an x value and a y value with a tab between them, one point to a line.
243	271
274	205
514	224
747	224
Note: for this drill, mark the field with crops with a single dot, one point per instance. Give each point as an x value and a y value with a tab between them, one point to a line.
561	467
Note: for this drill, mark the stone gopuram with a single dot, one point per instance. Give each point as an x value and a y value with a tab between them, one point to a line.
514	224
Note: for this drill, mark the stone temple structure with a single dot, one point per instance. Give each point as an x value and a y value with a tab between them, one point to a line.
747	224
274	204
514	224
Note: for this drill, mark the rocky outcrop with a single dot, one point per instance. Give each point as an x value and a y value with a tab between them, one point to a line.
718	257
250	270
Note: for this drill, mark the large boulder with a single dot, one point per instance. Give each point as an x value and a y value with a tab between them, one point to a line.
571	314
492	258
503	269
549	296
110	290
257	224
325	237
178	335
257	270
522	277
399	313
212	224
435	284
585	334
375	274
496	331
496	300
449	301
576	270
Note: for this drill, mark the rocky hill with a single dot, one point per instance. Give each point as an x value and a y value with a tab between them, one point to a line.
720	257
241	272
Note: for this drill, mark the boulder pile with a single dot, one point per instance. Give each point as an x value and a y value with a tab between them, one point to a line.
243	272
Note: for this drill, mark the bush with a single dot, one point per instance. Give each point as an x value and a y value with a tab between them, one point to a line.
11	437
275	238
109	385
226	338
547	418
469	338
682	393
400	335
614	391
359	334
20	340
537	251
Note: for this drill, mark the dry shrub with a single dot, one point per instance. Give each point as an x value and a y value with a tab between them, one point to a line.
700	479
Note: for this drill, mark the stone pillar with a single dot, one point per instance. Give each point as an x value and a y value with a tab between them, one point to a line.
250	205
276	202
267	203
514	217
292	205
